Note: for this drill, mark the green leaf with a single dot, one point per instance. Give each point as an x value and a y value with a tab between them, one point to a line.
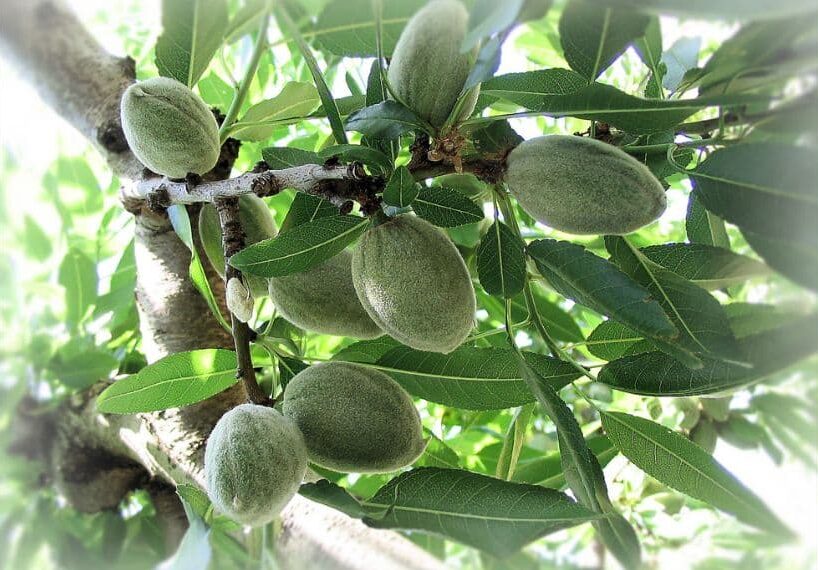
367	351
437	453
86	368
583	472
581	276
192	32
489	17
707	266
445	207
501	262
35	241
497	139
180	221
797	261
749	9
78	276
327	100
649	48
611	340
699	317
681	57
348	28
767	188
471	378
279	158
387	120
681	464
704	227
593	38
401	190
194	550
245	20
565	93
357	153
768	352
306	208
560	323
334	496
495	516
296	100
301	247
174	381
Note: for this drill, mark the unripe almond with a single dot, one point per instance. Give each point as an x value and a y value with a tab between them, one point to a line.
583	186
169	128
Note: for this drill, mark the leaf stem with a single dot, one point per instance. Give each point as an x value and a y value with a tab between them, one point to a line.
244	87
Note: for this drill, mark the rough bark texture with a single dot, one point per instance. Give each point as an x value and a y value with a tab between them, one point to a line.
96	459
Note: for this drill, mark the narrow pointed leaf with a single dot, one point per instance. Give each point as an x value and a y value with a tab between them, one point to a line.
446	208
611	340
681	464
386	120
279	158
593	37
706	266
294	101
401	190
307	208
192	32
581	276
300	248
566	93
471	378
177	380
498	517
699	317
768	352
501	263
583	472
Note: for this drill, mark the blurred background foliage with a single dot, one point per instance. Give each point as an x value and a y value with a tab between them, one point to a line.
68	318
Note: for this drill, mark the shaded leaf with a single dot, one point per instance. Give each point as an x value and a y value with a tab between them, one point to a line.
768	352
704	227
611	340
565	93
301	247
501	262
679	58
348	28
386	120
583	473
699	317
707	266
499	517
177	380
445	207
401	190
749	10
307	208
356	153
593	37
681	464
581	276
497	138
471	378
86	369
487	18
279	158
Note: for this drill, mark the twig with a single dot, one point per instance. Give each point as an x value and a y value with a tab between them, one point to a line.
336	183
233	238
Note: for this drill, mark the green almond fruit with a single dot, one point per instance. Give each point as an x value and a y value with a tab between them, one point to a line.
583	186
323	300
427	70
169	128
354	419
258	225
255	460
412	281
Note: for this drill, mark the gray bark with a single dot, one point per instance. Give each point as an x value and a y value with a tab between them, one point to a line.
96	459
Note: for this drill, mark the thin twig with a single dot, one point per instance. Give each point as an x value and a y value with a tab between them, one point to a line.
233	239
